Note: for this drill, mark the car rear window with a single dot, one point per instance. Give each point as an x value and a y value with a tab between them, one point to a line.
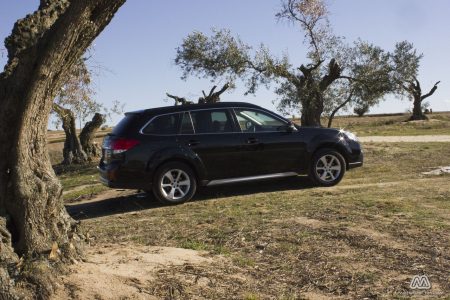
126	124
164	124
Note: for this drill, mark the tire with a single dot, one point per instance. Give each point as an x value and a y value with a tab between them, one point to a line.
174	183
327	167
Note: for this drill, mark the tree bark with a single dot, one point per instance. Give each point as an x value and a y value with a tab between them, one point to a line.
312	110
73	152
41	50
87	137
213	97
417	113
416	92
179	100
310	90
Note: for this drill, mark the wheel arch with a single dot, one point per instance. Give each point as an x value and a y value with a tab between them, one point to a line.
166	156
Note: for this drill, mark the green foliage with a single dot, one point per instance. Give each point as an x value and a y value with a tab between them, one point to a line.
355	73
361	109
405	61
222	55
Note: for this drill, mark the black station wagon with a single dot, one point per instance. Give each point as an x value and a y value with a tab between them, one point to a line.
173	150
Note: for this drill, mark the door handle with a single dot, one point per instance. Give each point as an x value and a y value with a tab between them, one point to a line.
252	140
193	143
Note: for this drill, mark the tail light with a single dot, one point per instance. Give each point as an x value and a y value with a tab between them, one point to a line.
121	145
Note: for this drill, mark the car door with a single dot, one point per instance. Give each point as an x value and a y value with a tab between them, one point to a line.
213	136
270	143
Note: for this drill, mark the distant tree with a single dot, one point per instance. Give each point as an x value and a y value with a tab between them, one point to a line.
87	136
212	97
42	48
361	109
405	64
73	153
75	102
335	69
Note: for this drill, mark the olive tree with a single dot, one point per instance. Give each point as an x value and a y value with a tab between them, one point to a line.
75	102
336	75
212	97
42	49
405	62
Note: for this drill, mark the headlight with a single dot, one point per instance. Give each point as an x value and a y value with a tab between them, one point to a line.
350	135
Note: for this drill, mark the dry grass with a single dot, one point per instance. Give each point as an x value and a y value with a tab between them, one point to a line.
285	239
438	123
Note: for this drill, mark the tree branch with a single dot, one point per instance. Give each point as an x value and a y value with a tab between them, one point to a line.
334	73
182	101
333	113
212	90
431	92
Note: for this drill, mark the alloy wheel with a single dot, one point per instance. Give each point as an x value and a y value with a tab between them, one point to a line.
175	184
328	168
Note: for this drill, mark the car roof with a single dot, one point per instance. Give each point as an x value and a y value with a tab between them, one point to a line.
178	108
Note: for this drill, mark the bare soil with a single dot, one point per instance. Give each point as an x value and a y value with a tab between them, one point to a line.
283	239
124	271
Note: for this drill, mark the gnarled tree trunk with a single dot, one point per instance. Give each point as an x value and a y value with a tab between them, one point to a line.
72	152
417	113
87	137
312	110
415	90
41	50
310	90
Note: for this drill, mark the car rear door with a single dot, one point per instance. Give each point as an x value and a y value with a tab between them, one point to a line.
213	136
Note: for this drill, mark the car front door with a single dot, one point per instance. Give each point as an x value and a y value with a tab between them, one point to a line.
214	137
270	144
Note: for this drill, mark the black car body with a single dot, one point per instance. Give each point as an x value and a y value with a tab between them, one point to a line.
220	143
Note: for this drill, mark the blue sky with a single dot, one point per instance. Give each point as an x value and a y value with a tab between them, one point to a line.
138	47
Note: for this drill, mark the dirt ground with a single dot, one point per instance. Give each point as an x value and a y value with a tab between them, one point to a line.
284	239
124	271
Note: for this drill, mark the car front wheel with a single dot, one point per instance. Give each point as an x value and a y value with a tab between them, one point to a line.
174	183
327	167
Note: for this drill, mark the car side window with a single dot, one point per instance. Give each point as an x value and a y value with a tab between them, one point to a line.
163	125
186	124
212	121
258	121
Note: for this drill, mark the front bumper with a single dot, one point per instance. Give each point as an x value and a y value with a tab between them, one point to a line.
356	160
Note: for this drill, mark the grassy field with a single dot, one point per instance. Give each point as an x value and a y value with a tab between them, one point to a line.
285	239
438	123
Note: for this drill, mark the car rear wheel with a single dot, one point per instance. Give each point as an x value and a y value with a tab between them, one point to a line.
174	183
327	167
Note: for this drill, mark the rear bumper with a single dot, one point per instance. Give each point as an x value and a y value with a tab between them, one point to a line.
114	177
106	176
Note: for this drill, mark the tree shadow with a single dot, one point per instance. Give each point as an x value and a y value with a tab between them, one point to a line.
142	201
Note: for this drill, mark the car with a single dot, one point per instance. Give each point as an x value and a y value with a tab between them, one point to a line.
171	151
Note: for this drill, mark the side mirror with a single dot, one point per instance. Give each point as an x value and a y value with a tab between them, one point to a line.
291	127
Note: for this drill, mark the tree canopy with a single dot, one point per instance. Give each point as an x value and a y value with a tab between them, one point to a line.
405	63
338	74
